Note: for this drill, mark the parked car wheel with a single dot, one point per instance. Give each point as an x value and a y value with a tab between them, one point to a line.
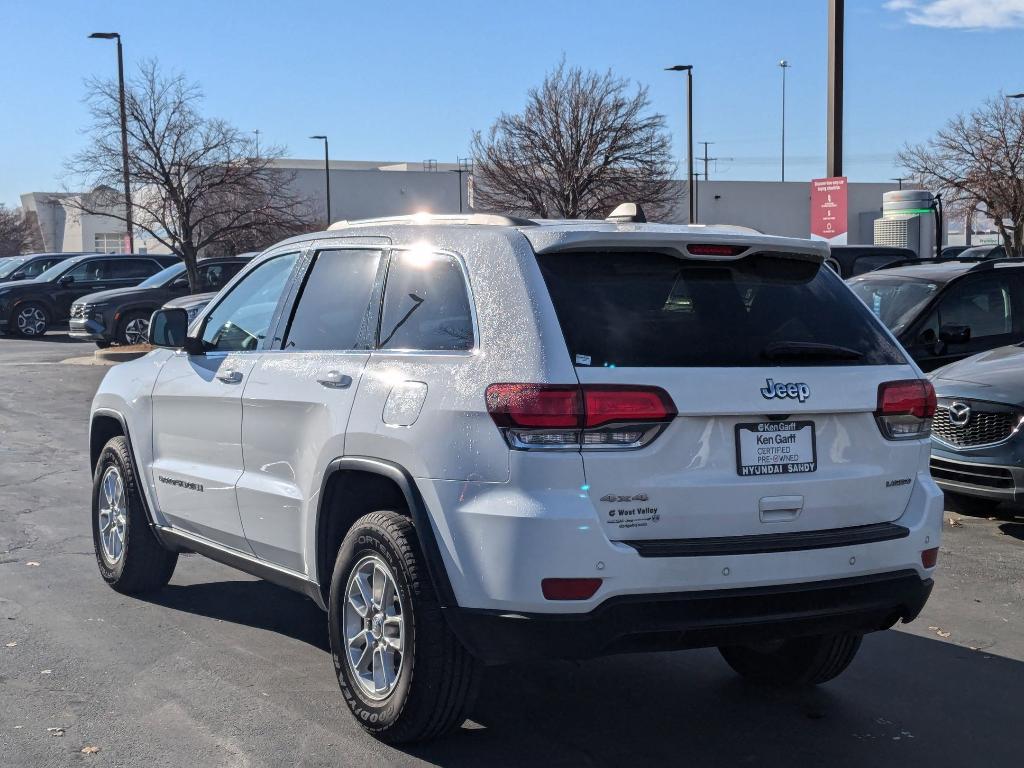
102	344
797	662
130	558
402	672
134	328
30	319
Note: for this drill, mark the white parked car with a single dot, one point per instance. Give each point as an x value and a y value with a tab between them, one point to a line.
478	440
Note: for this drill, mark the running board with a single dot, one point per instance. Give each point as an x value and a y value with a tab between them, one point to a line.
765	543
297	582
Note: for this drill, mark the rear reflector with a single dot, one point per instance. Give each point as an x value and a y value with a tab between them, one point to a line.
594	416
569	589
905	409
930	557
715	249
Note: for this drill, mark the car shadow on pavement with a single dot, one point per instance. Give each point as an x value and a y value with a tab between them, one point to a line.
258	604
906	700
1016	530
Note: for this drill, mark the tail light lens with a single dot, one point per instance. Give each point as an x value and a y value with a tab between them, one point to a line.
591	416
905	409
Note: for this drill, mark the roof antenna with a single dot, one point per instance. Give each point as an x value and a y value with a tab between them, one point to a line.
628	213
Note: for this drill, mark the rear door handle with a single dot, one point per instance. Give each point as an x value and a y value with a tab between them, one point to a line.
230	377
335	380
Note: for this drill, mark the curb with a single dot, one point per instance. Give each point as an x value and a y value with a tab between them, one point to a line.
122	354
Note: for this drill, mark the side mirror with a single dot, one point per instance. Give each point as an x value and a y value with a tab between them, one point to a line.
927	336
181	282
955	334
168	328
66	280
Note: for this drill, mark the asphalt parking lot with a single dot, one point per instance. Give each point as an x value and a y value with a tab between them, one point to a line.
222	669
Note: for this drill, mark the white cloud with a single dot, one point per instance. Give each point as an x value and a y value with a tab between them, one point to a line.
961	14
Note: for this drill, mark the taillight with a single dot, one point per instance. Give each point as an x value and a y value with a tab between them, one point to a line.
591	416
905	409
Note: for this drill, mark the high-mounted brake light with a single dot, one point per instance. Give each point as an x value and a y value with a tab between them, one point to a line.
905	409
715	249
592	416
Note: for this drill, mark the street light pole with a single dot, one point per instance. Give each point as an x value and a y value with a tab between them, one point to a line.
688	69
784	65
124	135
327	174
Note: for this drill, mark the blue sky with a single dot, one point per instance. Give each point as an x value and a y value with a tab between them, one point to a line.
405	80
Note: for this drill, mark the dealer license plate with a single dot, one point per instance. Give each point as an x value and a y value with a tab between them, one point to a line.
775	448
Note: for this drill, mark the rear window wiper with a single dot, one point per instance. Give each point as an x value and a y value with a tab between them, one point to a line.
808	350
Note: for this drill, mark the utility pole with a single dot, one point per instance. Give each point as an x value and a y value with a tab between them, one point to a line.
834	152
784	65
257	132
465	166
327	173
899	180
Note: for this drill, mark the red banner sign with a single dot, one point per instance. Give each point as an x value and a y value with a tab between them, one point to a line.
828	210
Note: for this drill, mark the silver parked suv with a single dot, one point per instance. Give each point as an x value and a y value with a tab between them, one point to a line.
477	439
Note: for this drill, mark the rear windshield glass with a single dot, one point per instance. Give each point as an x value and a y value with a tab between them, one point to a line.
656	310
895	301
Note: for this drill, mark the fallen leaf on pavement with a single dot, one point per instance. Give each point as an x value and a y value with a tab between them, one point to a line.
955	523
10	645
90	750
55	731
940	633
32	564
46	672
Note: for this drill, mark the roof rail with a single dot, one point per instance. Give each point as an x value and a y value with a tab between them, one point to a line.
985	264
479	219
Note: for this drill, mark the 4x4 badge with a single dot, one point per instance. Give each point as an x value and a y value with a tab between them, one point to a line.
635	497
794	390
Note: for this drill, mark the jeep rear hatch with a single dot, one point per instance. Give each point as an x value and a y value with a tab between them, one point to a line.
774	368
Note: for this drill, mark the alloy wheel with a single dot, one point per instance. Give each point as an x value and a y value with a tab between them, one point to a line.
31	321
113	515
374	625
136	331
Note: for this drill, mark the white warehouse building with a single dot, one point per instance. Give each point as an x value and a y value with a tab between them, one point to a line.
366	189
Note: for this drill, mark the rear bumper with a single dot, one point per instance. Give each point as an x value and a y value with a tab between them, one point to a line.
695	619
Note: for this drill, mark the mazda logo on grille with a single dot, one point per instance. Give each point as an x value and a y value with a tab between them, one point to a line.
959	414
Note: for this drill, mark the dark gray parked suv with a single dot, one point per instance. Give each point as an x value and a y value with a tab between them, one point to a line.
977	445
121	315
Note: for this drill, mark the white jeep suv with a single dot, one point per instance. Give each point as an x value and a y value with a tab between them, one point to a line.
479	439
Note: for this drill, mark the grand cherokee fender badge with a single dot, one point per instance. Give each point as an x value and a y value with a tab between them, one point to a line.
188	486
793	390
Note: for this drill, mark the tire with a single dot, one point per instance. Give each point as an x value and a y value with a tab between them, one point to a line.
801	661
971	505
30	320
130	558
102	344
433	679
134	328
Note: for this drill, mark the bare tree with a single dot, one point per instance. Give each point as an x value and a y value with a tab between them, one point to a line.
16	233
978	159
197	183
582	144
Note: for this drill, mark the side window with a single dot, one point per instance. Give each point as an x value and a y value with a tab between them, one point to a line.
333	309
426	304
242	318
983	305
126	269
215	276
87	272
35	268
